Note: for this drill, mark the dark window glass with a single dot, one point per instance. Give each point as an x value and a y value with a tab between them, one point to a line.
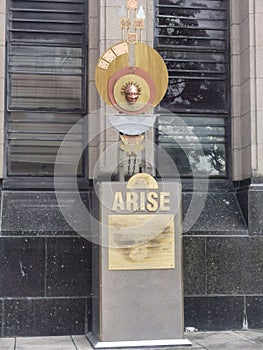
34	140
192	37
46	55
196	144
45	78
46	84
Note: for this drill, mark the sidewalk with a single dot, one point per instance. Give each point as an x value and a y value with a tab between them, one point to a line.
230	340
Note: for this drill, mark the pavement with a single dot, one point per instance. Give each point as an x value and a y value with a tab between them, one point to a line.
229	340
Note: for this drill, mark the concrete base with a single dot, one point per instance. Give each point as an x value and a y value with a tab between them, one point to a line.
97	344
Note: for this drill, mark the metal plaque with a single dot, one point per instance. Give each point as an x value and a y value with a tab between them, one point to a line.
138	242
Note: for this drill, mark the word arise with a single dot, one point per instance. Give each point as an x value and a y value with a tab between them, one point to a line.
141	201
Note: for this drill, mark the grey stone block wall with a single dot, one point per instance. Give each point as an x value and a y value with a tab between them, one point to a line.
45	267
223	263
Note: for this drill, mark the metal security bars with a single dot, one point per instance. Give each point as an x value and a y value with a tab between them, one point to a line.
193	38
46	82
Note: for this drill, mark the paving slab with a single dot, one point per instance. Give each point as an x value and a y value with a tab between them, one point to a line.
224	340
81	342
230	340
7	343
255	335
45	343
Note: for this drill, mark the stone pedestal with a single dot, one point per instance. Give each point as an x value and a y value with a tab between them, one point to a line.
137	270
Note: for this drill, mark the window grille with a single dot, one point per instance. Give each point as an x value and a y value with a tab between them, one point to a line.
46	81
193	38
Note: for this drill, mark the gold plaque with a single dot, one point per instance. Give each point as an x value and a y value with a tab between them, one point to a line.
139	242
103	64
109	56
120	49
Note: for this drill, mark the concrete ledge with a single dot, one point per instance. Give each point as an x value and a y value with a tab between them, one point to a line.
97	344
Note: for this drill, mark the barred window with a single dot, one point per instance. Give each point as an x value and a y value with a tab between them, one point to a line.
46	81
192	37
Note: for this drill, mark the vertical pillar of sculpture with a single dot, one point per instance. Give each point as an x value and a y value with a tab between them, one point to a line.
137	269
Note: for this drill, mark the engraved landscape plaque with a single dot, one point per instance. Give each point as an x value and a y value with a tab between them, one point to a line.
141	242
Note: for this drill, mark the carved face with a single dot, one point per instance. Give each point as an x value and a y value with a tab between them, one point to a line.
131	93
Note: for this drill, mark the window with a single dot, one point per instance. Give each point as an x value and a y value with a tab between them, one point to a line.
46	82
192	37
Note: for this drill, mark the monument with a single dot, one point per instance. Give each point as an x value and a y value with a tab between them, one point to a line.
137	267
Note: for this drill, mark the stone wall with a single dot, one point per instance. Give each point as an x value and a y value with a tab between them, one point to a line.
45	267
222	265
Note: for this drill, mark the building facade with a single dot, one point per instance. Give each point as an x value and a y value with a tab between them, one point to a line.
207	135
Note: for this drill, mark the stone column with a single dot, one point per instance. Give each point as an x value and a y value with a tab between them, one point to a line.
2	81
242	86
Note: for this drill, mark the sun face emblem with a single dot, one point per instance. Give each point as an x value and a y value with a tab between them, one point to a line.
132	91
